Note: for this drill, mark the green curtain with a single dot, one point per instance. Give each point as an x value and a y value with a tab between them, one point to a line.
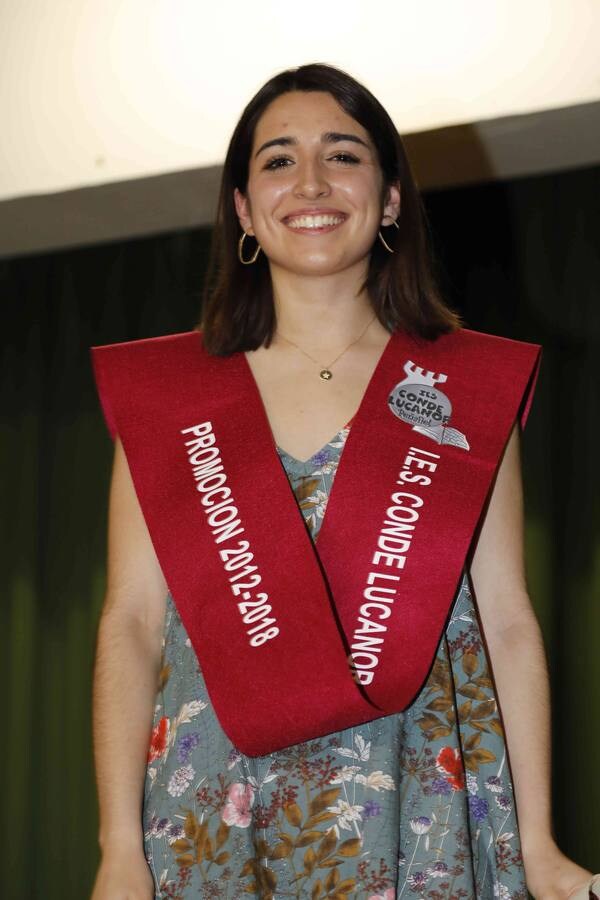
518	259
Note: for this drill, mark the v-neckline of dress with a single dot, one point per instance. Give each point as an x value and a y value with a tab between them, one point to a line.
313	459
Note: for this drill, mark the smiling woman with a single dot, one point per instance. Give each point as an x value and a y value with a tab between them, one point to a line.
316	122
311	661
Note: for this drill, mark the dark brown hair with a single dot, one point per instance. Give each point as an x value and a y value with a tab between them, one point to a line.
238	310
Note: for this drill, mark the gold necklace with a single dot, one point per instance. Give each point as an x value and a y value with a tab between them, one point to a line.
326	373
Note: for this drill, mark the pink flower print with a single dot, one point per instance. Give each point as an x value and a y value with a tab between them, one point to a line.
389	894
240	799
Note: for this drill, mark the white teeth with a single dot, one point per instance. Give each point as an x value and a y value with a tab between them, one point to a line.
314	221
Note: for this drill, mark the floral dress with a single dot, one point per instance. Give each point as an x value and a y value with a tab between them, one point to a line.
418	804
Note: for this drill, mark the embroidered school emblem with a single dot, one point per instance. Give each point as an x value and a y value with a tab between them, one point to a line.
418	401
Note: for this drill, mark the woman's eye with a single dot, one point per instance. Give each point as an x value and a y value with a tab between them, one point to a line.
346	158
279	162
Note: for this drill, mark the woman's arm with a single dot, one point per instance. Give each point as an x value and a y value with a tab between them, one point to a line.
519	665
125	678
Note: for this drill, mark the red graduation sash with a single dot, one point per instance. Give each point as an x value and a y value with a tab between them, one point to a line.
299	639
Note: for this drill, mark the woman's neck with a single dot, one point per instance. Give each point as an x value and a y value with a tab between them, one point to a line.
321	311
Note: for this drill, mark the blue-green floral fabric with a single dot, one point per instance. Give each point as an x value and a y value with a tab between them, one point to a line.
414	805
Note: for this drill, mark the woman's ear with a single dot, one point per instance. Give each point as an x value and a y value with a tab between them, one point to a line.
242	208
391	209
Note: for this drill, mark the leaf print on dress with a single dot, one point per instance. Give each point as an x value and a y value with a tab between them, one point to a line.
377	780
346	814
362	752
311	500
346	773
199	849
188	712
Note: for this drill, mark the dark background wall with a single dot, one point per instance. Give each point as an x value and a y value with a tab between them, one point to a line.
518	258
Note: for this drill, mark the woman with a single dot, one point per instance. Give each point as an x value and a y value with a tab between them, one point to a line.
300	319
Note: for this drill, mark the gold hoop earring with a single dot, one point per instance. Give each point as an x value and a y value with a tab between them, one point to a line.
383	240
246	262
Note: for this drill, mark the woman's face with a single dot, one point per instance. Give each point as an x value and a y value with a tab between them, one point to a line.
314	194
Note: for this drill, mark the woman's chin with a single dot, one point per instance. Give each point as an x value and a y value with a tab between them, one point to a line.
313	264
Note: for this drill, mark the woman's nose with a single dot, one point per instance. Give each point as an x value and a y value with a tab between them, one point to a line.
311	181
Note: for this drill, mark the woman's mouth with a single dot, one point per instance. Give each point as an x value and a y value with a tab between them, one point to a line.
313	224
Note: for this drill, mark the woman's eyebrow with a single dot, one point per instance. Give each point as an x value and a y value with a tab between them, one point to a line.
333	137
328	137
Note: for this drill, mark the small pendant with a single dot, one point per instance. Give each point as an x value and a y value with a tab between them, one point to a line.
325	374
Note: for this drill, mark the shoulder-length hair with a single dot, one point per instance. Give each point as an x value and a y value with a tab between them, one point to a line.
238	310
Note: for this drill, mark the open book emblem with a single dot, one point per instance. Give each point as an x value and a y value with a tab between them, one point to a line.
418	401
